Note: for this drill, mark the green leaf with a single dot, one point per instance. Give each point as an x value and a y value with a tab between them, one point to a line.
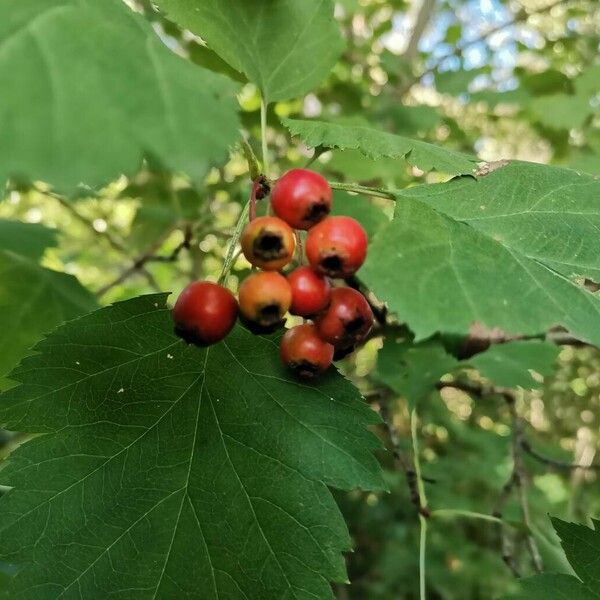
509	365
413	370
34	300
587	83
456	82
530	208
378	144
286	47
171	471
559	111
366	212
207	58
100	116
27	239
551	586
440	275
582	547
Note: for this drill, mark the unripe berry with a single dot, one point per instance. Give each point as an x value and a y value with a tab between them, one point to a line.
204	313
310	292
304	352
347	321
265	297
301	198
268	243
337	246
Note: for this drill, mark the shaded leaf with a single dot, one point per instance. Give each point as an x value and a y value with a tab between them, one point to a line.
582	547
157	456
286	48
551	586
377	144
34	300
559	111
509	365
365	211
149	102
413	370
26	239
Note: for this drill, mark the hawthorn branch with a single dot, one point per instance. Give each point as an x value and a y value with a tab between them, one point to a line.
403	463
149	256
114	241
520	482
552	462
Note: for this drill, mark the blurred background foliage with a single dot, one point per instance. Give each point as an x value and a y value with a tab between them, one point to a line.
503	80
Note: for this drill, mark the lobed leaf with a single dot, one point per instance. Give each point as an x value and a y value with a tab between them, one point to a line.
33	300
286	47
88	90
379	144
442	268
167	471
510	364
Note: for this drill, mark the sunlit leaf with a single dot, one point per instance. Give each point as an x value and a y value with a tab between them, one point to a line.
377	144
112	93
286	47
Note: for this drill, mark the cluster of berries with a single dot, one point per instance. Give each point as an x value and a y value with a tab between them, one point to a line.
336	247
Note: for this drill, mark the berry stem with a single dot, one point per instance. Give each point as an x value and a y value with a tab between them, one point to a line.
235	238
263	136
361	189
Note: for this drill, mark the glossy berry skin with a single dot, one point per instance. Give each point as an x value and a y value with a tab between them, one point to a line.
304	352
337	246
347	321
301	198
265	298
268	243
204	313
310	292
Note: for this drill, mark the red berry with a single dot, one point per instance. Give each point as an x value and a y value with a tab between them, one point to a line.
302	198
337	246
304	352
268	243
265	297
204	313
310	292
347	321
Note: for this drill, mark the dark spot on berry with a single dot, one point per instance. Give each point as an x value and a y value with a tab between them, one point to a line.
269	246
332	264
269	314
355	325
341	353
316	212
261	328
190	336
305	369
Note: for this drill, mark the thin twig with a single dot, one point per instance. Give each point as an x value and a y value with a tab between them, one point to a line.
115	242
520	477
403	463
552	462
424	512
149	255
